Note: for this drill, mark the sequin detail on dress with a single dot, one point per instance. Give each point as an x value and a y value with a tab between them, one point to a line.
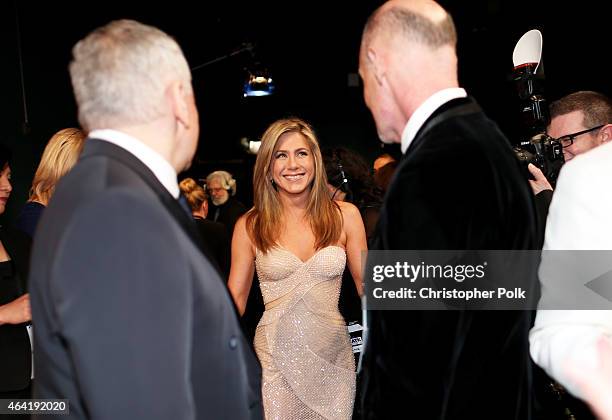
302	341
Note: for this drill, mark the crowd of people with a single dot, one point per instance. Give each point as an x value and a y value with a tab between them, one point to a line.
122	290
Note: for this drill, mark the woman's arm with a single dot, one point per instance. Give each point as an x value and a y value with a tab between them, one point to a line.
17	311
355	242
243	265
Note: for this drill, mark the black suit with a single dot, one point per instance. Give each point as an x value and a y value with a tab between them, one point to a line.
131	321
458	187
216	244
227	213
542	203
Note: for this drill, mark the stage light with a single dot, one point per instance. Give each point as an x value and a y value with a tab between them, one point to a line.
250	146
258	84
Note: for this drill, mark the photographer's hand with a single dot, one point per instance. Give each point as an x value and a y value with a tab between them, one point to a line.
540	183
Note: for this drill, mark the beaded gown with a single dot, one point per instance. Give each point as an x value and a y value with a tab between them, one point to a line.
301	340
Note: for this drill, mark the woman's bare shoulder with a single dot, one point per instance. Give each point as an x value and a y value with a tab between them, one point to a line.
348	210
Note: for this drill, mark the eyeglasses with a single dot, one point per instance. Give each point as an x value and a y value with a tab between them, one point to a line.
568	140
215	190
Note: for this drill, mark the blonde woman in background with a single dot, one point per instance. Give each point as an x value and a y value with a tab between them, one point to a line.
59	156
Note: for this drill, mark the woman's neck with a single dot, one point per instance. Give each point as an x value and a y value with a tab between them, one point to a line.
198	214
294	208
39	201
295	202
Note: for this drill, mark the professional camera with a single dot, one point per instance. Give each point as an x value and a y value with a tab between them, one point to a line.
540	149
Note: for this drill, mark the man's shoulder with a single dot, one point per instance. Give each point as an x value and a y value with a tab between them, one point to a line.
98	228
237	206
124	201
98	169
95	205
447	146
463	142
597	160
585	178
468	129
99	174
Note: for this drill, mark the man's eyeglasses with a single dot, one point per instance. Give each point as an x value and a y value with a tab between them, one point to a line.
568	140
215	190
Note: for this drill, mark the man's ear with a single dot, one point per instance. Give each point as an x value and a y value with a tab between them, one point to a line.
376	65
178	96
605	133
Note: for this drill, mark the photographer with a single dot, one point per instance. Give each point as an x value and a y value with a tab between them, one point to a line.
577	221
578	122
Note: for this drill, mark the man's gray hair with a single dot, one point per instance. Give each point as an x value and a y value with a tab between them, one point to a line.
226	179
120	71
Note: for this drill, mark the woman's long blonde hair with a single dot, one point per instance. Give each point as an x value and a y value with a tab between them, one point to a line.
262	220
59	156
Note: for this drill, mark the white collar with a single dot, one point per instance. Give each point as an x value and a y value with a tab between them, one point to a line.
424	111
160	167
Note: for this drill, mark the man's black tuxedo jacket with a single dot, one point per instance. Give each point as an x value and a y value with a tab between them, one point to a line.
131	321
227	213
458	187
216	244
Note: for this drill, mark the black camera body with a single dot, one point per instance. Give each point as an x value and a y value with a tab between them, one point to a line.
539	149
544	152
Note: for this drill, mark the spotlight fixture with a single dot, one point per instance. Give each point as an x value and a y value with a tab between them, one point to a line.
258	84
250	146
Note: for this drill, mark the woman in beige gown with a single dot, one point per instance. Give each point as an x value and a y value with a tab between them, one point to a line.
299	240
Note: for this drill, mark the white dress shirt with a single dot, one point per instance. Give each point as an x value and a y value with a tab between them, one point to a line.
580	218
424	111
160	167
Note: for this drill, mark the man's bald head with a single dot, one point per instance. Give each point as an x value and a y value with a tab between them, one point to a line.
420	21
407	54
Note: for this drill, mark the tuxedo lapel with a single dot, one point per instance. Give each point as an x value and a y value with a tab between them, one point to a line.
455	107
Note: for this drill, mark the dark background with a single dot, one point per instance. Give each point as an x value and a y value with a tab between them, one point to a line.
311	51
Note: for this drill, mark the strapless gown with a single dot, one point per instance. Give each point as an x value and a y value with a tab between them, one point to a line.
301	340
